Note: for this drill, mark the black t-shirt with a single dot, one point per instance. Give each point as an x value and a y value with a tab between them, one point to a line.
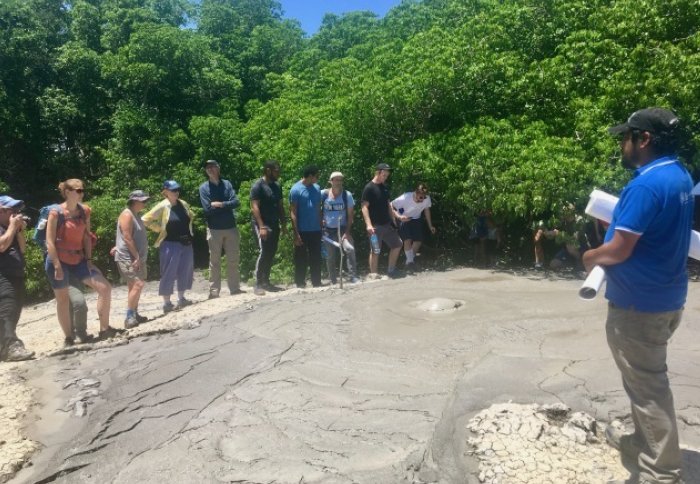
178	223
12	260
378	198
269	197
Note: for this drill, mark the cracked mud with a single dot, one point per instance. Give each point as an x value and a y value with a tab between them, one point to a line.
358	386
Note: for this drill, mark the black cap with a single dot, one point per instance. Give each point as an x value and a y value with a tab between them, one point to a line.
209	163
383	166
653	120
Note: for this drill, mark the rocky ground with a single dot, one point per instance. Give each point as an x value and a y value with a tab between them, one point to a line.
449	377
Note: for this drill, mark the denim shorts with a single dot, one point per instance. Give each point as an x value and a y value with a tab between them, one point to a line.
79	271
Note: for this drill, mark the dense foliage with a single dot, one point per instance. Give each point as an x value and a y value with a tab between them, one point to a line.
498	105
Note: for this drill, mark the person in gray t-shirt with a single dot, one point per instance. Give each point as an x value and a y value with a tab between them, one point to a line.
131	252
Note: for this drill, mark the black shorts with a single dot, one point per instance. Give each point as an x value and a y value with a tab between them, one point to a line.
412	230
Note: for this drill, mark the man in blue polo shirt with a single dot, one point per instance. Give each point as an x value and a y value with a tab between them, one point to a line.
305	213
644	256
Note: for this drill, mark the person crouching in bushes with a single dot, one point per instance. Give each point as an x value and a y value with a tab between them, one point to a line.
172	220
131	252
69	248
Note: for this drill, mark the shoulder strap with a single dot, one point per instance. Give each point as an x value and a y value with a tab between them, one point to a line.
59	212
345	204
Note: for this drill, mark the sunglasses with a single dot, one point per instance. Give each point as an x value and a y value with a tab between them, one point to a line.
77	190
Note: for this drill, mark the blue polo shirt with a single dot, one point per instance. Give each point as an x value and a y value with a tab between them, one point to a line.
656	205
308	202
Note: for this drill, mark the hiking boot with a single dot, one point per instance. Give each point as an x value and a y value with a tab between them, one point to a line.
410	267
141	319
16	351
108	333
259	291
84	338
238	291
354	280
395	274
270	288
168	307
627	444
213	295
68	341
131	322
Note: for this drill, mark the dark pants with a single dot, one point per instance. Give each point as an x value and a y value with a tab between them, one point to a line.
12	293
268	249
308	254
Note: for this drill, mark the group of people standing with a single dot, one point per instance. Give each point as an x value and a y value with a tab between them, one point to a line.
316	215
322	220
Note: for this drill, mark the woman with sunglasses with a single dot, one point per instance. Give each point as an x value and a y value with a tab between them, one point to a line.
172	220
69	247
408	208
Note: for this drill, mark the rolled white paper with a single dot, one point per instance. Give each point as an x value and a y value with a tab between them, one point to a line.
347	246
330	241
592	284
601	206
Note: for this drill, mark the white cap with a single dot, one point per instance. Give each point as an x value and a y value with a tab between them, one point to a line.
335	174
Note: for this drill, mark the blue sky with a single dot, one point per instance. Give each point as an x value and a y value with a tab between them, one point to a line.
310	12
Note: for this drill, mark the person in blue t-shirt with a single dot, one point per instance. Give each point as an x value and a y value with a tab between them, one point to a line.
338	207
305	213
644	256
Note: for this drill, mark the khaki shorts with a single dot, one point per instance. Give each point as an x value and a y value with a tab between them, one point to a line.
389	235
128	273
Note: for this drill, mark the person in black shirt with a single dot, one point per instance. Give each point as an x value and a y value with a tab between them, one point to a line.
12	288
172	219
267	210
380	220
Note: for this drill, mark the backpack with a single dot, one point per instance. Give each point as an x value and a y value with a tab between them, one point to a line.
39	236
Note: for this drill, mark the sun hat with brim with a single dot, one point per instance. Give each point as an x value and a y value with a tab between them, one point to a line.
653	120
171	185
7	201
138	196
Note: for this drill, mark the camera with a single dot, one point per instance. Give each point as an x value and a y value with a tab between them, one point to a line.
26	218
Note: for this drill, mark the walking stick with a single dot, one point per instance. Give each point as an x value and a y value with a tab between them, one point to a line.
340	249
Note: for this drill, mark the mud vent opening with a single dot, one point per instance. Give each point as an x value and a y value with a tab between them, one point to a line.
439	304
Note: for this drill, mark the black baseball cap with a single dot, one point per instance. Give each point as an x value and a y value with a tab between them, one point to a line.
653	120
209	163
383	166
